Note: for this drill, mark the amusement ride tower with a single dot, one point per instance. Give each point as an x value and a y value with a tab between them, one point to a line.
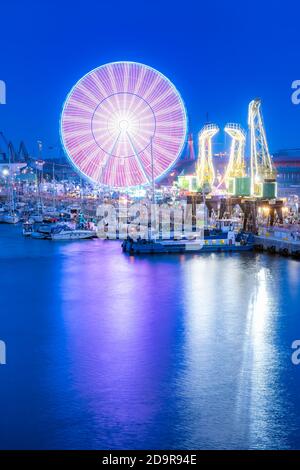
236	167
205	168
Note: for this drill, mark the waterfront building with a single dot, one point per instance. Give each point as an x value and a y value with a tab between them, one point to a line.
287	163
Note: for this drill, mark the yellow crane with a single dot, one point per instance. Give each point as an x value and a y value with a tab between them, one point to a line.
204	169
236	167
263	173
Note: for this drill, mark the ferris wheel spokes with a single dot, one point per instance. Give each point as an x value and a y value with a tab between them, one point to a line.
138	159
112	116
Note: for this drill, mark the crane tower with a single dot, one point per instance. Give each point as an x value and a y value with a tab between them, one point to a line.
236	167
205	169
263	174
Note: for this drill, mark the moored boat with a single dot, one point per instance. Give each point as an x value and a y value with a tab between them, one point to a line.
9	218
37	230
212	242
65	233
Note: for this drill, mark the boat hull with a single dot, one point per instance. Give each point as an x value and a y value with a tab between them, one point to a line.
160	248
72	235
10	219
39	235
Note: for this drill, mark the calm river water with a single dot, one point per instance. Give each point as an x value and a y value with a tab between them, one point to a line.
107	351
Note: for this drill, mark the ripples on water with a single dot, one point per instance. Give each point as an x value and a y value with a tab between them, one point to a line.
109	351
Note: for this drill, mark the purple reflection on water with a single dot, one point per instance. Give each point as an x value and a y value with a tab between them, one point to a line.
120	339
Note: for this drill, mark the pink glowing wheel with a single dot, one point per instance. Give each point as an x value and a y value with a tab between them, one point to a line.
118	119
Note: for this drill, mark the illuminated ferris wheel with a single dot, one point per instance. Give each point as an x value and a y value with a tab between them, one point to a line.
123	124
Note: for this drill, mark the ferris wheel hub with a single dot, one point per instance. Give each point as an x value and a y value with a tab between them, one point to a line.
124	125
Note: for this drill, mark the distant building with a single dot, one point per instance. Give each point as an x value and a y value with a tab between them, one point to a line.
14	168
287	163
63	170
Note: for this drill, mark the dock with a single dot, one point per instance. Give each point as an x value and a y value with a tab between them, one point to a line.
278	241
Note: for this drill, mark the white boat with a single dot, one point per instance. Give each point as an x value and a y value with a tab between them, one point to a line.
36	217
50	212
9	218
37	230
41	231
39	235
65	233
27	229
20	205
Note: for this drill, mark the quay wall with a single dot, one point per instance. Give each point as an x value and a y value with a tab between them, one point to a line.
280	241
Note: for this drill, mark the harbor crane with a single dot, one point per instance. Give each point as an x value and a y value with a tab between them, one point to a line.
236	167
204	169
23	153
262	168
4	153
10	155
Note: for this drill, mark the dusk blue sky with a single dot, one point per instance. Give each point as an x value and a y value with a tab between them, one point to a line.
219	55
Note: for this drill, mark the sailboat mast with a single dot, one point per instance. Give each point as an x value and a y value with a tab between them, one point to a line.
10	179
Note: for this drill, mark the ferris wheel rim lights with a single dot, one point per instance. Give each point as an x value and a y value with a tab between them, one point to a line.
140	116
